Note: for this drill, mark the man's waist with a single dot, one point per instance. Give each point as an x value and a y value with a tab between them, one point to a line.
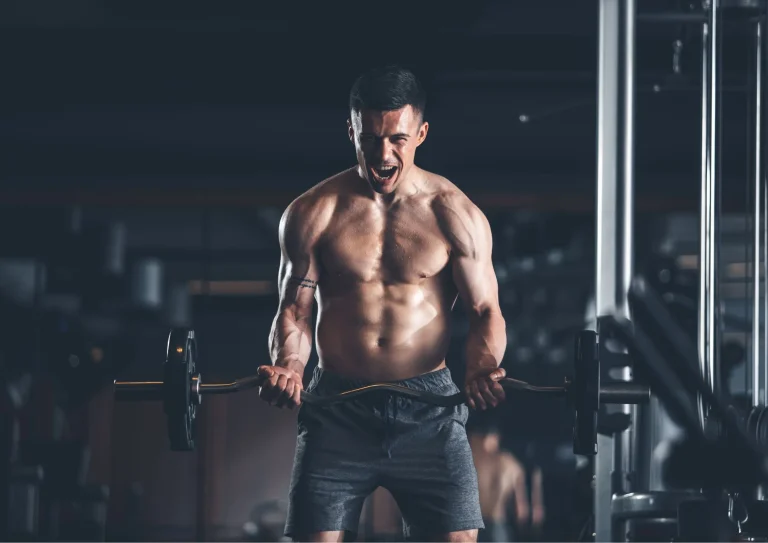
330	380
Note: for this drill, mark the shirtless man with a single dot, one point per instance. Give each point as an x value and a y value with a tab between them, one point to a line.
501	480
385	247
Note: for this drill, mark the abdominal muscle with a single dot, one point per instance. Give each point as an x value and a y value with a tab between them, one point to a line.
377	332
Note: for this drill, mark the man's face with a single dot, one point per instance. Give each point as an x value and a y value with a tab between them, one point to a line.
385	143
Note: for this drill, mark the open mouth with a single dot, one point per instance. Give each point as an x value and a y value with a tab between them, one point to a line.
384	173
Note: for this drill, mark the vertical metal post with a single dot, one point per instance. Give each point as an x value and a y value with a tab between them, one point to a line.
710	208
761	148
628	152
607	135
614	215
606	272
638	442
704	259
759	371
713	299
757	393
628	157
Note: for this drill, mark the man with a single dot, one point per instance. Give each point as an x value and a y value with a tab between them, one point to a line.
502	482
385	247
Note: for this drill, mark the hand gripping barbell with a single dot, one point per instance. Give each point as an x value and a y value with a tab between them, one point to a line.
182	389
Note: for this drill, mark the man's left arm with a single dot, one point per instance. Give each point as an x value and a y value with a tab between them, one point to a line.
471	246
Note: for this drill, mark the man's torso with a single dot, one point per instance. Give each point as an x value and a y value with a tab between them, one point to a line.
385	290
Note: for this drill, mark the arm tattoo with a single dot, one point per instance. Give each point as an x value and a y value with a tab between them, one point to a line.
302	282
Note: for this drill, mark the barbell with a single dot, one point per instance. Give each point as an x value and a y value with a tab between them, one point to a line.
182	389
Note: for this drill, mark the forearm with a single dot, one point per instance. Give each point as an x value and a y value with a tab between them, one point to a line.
290	341
522	510
537	492
486	341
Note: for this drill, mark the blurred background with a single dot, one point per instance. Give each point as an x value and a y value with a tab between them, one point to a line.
149	149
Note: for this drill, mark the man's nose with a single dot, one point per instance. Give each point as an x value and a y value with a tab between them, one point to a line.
383	149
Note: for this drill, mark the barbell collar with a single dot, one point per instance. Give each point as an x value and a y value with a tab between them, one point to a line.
624	393
195	393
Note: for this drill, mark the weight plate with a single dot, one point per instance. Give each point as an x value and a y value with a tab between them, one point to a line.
584	393
179	405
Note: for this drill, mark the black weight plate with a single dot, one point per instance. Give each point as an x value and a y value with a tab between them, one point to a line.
178	402
585	393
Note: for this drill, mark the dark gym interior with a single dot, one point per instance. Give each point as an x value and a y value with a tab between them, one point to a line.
150	149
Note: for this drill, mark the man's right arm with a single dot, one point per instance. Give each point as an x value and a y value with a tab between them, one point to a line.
290	338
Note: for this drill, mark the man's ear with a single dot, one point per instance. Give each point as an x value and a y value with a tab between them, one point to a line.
422	133
350	130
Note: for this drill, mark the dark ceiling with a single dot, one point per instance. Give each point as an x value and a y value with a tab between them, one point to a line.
246	100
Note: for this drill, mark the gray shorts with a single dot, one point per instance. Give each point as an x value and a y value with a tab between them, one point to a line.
417	451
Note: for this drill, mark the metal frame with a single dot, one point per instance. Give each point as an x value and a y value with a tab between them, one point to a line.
758	388
704	259
614	264
606	272
761	176
614	217
760	371
713	298
709	326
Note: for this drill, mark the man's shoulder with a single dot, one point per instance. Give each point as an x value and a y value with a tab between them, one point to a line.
314	208
459	217
510	464
447	198
320	199
323	193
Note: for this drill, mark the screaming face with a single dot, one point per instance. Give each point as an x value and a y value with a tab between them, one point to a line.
386	142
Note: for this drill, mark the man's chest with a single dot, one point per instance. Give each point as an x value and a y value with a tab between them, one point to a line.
405	246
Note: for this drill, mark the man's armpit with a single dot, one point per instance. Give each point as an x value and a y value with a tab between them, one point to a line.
302	282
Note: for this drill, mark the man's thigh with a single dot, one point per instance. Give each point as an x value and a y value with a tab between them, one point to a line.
334	471
432	476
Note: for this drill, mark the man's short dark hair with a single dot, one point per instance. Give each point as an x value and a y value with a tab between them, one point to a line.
387	88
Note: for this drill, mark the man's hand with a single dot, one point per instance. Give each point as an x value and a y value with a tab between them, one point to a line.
483	389
282	387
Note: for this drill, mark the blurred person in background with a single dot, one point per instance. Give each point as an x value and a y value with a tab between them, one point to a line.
503	485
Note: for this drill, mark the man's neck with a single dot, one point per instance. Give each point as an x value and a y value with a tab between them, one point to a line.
408	186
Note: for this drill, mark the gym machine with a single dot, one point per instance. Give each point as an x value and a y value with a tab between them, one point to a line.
625	505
